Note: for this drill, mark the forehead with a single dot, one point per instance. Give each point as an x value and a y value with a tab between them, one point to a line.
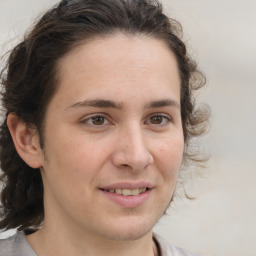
110	64
119	50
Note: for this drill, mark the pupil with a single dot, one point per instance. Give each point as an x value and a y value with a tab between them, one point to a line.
156	119
98	120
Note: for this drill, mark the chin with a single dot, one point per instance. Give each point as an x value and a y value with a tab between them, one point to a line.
129	229
128	235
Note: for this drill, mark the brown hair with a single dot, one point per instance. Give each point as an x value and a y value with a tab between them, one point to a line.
29	82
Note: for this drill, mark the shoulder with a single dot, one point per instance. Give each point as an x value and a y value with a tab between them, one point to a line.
15	245
7	245
168	249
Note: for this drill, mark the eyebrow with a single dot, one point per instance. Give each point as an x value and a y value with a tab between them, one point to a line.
162	103
97	103
101	103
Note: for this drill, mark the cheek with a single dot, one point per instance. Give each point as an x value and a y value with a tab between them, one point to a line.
70	170
75	159
169	157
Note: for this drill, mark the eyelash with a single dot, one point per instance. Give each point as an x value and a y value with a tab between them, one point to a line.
89	120
167	119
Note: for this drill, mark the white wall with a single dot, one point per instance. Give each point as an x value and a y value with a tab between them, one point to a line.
222	37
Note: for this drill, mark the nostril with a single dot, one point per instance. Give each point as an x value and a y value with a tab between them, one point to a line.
124	165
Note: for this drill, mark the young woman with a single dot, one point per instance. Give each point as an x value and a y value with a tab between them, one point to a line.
99	111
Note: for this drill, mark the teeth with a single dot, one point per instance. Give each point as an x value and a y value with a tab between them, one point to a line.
135	192
118	191
142	190
128	192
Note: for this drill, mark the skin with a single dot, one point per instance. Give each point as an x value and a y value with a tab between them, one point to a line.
132	141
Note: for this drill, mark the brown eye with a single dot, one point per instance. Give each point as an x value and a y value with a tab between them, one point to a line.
156	119
98	120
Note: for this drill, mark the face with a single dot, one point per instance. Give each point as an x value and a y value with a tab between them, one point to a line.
113	137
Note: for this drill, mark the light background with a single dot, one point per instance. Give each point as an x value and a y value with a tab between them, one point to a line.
221	35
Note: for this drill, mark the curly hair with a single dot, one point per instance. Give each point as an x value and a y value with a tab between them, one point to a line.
29	81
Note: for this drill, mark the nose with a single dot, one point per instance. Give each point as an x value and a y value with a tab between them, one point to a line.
132	151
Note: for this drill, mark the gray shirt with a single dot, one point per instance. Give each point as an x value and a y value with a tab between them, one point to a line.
17	245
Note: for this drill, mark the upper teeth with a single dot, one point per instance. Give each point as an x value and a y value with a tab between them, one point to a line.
128	192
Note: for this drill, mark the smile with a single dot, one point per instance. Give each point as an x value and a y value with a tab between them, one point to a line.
127	192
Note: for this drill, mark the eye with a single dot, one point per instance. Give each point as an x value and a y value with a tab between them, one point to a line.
97	120
158	119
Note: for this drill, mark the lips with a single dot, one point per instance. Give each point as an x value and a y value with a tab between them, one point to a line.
127	192
128	188
128	195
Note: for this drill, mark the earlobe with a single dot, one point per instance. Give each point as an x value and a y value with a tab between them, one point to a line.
26	141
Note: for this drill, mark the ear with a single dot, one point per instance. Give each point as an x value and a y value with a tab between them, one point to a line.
26	141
